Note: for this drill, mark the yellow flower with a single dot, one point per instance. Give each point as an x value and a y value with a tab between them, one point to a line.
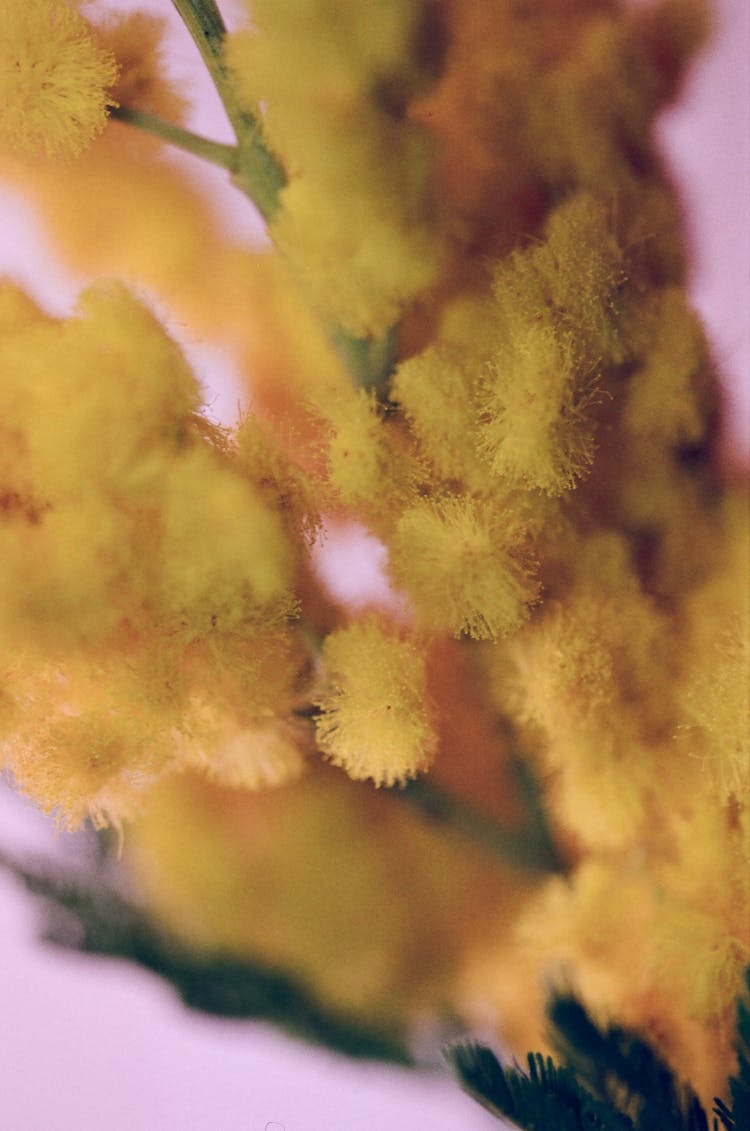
557	316
224	553
365	467
376	719
433	390
262	754
54	79
462	562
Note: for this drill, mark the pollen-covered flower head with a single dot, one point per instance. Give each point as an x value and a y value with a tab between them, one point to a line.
54	79
465	565
375	721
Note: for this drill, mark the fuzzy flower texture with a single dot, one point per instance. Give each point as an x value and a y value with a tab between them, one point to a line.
470	337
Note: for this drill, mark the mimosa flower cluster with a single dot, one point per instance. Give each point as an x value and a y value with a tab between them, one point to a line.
472	338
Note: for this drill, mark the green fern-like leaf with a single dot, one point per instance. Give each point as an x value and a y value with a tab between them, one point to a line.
611	1079
623	1070
546	1098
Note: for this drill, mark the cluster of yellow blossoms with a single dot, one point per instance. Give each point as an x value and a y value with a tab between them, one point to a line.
469	190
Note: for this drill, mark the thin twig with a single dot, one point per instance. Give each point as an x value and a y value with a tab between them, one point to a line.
257	172
531	847
225	156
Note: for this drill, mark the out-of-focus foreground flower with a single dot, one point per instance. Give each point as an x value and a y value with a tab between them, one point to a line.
472	338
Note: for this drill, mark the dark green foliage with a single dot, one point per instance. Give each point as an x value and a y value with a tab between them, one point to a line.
548	1098
610	1080
91	918
737	1118
621	1068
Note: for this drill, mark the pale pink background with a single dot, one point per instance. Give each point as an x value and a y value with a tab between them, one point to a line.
90	1044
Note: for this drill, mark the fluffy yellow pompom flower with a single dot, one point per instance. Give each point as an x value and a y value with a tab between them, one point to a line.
537	432
717	709
433	390
367	468
54	79
461	563
83	741
263	754
557	312
224	551
375	720
715	696
357	453
93	409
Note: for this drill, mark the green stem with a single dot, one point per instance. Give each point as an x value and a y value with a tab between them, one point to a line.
226	156
203	20
257	172
531	848
260	176
369	361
